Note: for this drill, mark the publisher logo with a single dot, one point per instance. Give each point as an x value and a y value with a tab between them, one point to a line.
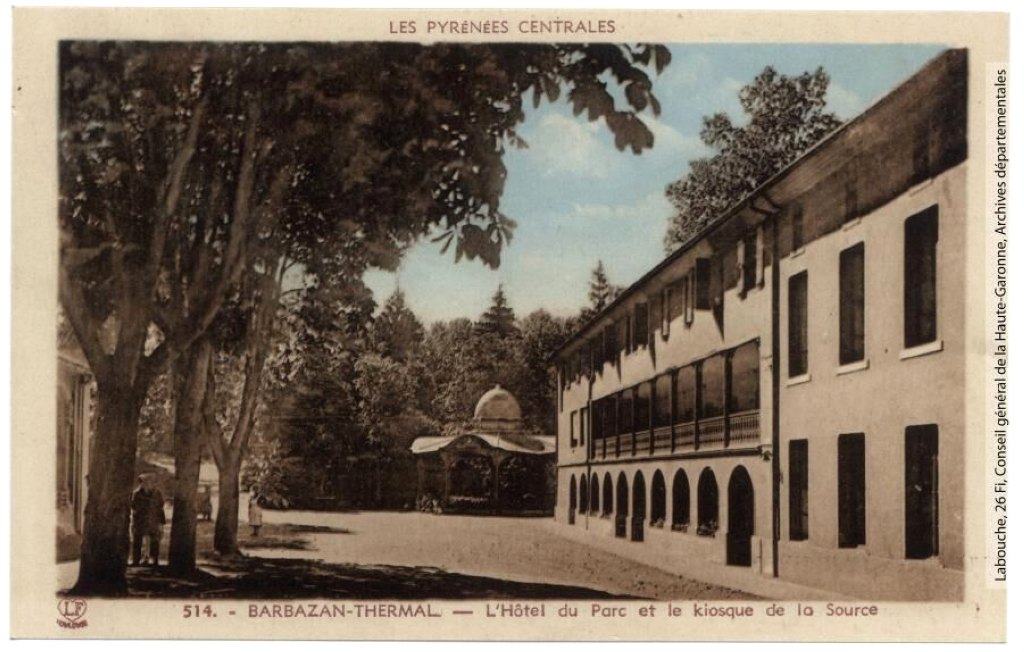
72	613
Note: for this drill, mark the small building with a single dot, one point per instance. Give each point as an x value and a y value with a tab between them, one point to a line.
75	387
495	467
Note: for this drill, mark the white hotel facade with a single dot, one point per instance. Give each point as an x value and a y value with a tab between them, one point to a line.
841	466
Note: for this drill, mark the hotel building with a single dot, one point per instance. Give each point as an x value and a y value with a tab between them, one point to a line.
785	390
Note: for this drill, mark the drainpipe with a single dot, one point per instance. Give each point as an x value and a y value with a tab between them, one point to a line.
774	213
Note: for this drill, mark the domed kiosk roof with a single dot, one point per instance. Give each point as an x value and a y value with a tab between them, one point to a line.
497	404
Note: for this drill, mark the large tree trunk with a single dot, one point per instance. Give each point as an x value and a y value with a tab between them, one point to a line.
188	441
225	533
107	511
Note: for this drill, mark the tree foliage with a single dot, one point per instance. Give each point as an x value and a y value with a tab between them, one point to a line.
202	182
784	117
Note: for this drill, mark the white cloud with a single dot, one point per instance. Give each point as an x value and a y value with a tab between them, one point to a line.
669	141
652	207
844	102
561	144
684	70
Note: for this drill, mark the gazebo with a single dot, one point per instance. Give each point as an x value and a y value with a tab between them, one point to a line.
496	467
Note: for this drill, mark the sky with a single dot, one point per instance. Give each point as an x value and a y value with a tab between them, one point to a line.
577	199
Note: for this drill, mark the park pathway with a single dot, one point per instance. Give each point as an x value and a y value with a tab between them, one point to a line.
517	549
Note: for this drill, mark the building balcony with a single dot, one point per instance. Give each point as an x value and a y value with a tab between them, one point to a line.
736	430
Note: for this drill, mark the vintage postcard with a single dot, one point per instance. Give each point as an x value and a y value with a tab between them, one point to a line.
510	325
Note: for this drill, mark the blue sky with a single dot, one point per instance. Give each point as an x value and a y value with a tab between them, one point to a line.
577	199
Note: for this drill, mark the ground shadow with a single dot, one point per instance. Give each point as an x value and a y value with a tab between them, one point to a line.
290	579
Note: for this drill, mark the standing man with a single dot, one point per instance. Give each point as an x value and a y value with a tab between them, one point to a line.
147	520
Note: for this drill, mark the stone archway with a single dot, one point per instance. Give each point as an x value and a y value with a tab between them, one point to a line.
621	505
741	518
636	531
572	500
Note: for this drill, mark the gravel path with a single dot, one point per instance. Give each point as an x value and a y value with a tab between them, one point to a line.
517	549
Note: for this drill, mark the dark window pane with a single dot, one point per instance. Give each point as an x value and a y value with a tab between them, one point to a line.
702	281
643	406
798	324
920	235
851	491
640	325
611	344
712	389
851	304
798	472
675	300
626	412
922	491
744	386
686	394
663	401
611	415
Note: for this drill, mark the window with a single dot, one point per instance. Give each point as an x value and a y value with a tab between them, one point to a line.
797	227
640	325
712	387
686	394
922	491
749	261
702	282
666	309
656	319
920	235
798	324
584	497
675	300
596	421
626	412
851	304
610	414
851	491
643	406
798	473
595	494
572	428
744	385
611	344
662	401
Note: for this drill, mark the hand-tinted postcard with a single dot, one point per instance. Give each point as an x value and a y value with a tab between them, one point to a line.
510	325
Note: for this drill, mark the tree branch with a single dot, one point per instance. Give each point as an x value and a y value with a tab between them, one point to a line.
85	326
170	193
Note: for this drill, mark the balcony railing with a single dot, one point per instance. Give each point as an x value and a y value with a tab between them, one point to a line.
663	438
712	432
745	426
737	429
